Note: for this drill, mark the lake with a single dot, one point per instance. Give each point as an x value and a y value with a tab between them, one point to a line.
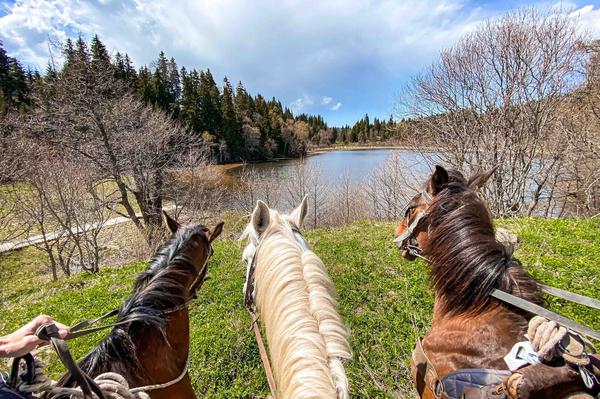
357	163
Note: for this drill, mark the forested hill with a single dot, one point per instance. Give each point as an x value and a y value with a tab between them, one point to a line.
237	125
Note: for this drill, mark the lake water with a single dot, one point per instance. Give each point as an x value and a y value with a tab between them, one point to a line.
357	163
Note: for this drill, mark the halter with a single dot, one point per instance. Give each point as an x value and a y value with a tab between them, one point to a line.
407	240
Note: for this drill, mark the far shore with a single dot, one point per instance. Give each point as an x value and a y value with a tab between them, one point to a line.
322	150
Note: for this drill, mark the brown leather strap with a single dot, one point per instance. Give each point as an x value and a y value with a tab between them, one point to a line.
86	383
430	376
263	356
571	296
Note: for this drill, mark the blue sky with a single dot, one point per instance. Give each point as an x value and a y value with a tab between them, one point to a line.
338	58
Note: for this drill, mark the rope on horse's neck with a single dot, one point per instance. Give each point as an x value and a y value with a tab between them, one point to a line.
113	385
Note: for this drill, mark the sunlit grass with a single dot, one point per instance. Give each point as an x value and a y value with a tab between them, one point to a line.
384	299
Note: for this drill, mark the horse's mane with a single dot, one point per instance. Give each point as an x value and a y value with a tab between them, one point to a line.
159	288
296	300
467	260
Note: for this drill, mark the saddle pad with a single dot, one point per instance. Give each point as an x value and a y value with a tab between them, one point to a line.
455	382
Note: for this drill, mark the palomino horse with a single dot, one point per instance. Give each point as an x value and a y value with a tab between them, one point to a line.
452	228
295	300
154	347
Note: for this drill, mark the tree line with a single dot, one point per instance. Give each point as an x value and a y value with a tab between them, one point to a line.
236	125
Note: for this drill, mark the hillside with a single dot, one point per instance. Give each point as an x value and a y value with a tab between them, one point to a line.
384	299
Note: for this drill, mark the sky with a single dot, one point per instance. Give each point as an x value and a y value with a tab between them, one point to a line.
338	58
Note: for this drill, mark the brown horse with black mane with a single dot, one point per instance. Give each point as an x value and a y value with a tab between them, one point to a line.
451	227
154	347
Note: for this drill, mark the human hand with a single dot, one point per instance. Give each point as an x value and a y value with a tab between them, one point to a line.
24	339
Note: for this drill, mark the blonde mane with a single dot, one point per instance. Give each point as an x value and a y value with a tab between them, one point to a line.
295	298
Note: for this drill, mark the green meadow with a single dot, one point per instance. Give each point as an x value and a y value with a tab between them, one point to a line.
385	301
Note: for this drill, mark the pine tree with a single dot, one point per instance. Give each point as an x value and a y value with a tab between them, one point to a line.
100	57
189	103
144	86
14	87
231	128
209	102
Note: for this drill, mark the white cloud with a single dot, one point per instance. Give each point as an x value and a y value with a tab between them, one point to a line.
336	106
278	48
300	104
588	18
326	100
262	42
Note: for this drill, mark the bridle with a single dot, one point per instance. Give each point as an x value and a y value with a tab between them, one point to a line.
407	240
201	275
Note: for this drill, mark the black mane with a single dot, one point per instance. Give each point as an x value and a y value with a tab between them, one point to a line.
467	260
159	288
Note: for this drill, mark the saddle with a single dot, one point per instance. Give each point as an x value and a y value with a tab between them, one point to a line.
540	381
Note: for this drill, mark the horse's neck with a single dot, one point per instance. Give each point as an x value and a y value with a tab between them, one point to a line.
477	341
164	360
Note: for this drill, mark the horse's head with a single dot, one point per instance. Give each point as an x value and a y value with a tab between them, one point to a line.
261	220
195	246
412	233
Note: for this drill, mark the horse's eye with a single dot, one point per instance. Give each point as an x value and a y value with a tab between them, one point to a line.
408	211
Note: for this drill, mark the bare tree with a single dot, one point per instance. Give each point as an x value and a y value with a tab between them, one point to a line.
494	100
305	179
67	205
389	187
347	204
85	111
195	186
257	185
12	224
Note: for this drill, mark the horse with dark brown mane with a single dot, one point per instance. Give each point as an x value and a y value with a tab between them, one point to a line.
451	227
153	348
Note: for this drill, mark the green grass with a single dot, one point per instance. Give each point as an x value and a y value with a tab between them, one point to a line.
384	300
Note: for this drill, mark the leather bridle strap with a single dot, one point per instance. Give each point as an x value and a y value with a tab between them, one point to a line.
79	330
263	356
250	305
570	296
540	311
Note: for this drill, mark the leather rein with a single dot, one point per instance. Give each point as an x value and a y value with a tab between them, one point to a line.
408	241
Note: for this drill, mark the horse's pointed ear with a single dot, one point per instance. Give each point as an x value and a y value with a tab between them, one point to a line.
479	179
261	217
215	232
438	180
171	223
300	212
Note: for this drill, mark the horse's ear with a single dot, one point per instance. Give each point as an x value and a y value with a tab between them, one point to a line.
215	232
261	217
479	179
438	180
300	212
171	223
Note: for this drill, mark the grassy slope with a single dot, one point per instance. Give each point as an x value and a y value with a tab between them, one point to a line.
384	299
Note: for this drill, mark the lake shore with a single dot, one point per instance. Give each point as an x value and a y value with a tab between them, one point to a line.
357	147
317	151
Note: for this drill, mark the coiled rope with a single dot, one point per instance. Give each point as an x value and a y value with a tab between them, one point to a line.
113	385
